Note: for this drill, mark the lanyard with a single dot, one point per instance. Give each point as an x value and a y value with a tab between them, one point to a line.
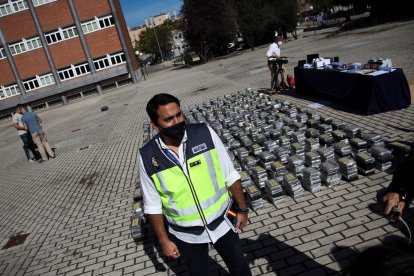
171	156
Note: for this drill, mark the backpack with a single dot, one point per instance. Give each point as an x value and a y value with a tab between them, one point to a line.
291	81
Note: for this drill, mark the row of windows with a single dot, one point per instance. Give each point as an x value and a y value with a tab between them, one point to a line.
13	6
25	45
64	74
59	35
97	24
108	61
10	91
39	81
74	71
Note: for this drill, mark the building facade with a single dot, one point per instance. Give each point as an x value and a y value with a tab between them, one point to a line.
152	21
54	51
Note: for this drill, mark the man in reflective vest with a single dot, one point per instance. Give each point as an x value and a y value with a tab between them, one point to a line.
186	176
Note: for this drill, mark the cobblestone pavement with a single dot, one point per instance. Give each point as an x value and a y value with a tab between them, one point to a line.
76	208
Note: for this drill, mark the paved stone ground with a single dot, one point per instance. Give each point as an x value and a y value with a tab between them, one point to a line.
76	208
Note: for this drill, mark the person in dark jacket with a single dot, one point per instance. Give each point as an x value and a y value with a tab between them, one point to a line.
401	188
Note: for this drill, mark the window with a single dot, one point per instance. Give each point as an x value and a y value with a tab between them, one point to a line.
69	32
11	91
61	34
2	53
14	6
42	2
20	5
92	26
118	58
106	22
46	80
23	46
31	84
82	69
33	43
109	60
38	81
89	27
66	74
5	9
74	71
53	37
17	48
101	63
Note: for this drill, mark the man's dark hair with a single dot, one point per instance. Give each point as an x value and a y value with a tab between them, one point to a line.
19	105
156	101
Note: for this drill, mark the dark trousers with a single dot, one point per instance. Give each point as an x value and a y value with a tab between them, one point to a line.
227	246
29	144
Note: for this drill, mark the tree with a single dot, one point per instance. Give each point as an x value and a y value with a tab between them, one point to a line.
148	40
288	18
252	19
208	26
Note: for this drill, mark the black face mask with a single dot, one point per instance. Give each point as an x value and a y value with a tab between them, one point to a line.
175	132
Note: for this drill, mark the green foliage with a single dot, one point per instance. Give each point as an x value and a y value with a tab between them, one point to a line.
208	25
148	39
251	19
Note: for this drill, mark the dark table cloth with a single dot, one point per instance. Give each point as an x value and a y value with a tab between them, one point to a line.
364	93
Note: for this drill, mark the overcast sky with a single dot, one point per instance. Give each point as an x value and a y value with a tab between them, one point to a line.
135	11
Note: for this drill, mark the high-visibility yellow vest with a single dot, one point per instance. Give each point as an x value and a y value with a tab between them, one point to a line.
196	199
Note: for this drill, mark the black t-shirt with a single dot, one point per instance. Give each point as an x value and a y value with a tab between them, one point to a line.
401	179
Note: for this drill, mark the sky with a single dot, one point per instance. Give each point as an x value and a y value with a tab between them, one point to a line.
135	11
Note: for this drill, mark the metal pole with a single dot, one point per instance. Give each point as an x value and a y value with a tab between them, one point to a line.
81	35
123	42
159	48
46	49
12	65
156	37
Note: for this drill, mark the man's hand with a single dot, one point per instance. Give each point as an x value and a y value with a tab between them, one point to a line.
391	200
236	190
170	249
242	220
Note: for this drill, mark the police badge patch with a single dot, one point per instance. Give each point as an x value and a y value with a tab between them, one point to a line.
155	162
199	148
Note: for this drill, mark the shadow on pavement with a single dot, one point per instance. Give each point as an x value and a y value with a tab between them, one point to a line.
266	251
281	258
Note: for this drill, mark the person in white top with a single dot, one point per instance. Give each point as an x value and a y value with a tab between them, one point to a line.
28	143
275	67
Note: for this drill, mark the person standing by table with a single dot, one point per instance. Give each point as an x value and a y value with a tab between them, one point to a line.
186	175
273	55
32	121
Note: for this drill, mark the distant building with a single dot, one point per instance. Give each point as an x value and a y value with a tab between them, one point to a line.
55	51
135	32
160	19
152	21
178	42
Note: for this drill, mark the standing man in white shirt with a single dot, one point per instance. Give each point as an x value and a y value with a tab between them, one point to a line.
273	56
186	176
